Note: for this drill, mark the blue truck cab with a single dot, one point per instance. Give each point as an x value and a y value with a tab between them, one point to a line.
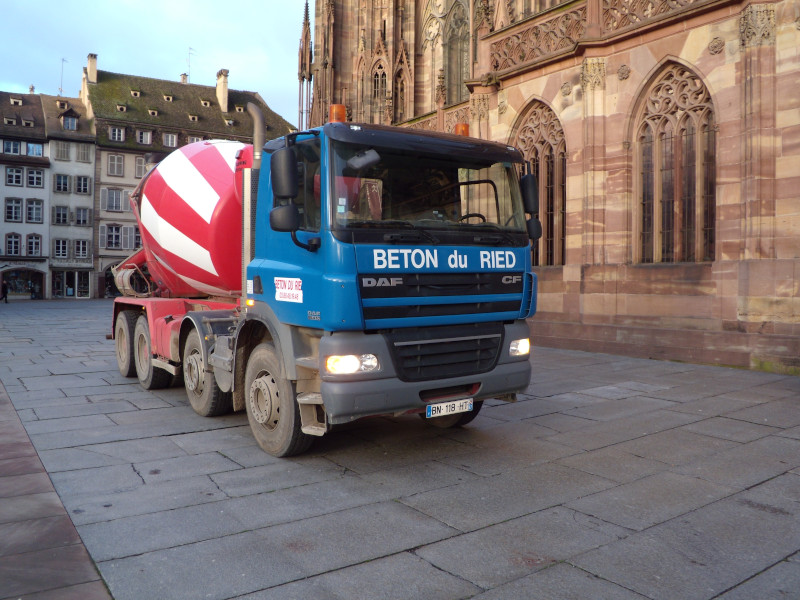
390	273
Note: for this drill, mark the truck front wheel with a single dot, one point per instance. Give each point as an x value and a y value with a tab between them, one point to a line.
272	409
204	394
150	377
123	342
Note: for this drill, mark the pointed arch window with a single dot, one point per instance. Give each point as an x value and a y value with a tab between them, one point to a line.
378	93
457	59
541	139
399	97
676	169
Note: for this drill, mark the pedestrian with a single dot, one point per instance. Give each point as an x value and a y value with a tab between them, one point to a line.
5	292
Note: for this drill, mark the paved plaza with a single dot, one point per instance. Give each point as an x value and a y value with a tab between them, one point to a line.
610	478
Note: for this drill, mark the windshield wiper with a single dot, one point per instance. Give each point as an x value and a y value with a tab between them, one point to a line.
498	234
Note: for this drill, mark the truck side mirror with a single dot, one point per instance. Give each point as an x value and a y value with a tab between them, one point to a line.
283	171
534	228
285	218
530	193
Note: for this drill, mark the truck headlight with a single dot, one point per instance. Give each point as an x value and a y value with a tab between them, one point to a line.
350	364
520	347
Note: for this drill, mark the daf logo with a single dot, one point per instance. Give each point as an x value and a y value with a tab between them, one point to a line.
507	279
381	281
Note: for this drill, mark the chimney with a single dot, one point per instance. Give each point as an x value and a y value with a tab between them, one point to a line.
91	69
31	90
184	78
222	89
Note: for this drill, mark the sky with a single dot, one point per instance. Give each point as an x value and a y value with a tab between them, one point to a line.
256	40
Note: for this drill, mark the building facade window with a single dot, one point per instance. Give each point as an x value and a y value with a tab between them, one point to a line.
676	170
13	244
34	245
115	200
113	237
13	175
81	249
116	165
378	93
144	137
60	215
13	210
116	134
83	216
170	140
35	149
33	211
61	248
11	147
69	123
61	183
140	167
83	184
62	150
541	139
84	153
194	138
35	178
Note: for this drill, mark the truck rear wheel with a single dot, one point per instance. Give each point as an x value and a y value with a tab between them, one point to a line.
272	409
123	342
150	377
456	420
204	394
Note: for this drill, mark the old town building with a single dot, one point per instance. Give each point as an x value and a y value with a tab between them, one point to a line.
139	119
666	139
25	194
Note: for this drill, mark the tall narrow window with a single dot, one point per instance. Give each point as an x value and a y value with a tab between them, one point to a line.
378	94
676	157
541	139
457	61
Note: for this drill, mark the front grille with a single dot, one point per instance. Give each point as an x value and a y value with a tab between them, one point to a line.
422	354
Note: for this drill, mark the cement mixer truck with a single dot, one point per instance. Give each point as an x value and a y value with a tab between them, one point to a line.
343	272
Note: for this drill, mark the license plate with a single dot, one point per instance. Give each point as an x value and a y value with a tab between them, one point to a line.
448	408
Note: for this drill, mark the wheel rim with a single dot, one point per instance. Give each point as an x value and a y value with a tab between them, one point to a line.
264	401
193	367
142	353
122	345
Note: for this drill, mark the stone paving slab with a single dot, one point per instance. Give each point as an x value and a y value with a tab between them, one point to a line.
611	477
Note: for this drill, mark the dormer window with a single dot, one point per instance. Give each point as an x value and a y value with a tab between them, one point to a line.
193	118
168	97
121	108
153	112
136	93
239	108
9	121
69	123
27	123
16	101
205	103
229	122
62	104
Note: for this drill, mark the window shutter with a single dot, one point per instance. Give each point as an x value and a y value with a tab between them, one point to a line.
89	221
69	183
126	201
52	248
72	216
127	238
103	198
103	236
54	182
52	214
70	249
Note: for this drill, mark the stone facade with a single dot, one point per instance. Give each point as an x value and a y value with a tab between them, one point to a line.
666	137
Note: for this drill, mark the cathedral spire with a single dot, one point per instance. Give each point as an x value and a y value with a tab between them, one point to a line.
304	72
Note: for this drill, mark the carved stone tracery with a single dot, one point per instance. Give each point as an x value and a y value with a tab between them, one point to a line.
545	38
621	14
757	26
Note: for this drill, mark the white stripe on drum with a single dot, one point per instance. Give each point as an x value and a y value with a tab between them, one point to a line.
189	184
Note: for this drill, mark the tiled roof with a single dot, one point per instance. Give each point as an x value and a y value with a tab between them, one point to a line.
30	111
172	106
53	112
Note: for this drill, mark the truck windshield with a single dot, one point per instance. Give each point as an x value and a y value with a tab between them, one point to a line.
440	197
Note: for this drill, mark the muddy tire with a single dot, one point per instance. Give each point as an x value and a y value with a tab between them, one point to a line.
204	394
150	377
272	409
456	420
123	342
